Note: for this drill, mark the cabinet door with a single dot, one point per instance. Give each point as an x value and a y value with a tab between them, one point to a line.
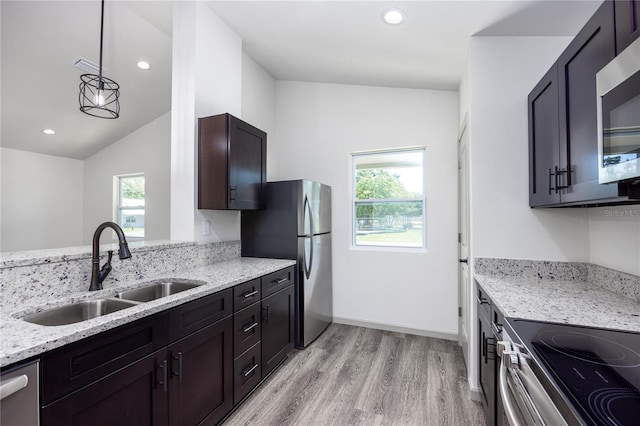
232	164
247	166
277	328
134	395
201	368
588	53
486	365
544	141
627	23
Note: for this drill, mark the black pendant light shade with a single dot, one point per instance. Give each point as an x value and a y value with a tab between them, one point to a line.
99	96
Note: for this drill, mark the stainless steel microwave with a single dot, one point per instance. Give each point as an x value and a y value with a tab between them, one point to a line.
618	103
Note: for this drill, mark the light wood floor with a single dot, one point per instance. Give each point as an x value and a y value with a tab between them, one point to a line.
359	376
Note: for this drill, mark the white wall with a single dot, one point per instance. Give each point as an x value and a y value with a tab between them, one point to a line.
500	73
146	150
318	126
503	70
41	201
615	237
206	76
258	105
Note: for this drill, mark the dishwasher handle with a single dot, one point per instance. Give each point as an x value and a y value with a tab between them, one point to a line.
12	386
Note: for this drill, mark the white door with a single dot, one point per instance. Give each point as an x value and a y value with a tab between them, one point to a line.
464	279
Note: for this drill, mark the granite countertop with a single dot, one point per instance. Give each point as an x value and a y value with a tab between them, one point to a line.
20	340
562	300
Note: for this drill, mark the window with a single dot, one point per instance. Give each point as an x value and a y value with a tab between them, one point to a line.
130	204
388	198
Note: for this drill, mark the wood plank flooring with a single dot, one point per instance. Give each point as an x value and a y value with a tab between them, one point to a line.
360	376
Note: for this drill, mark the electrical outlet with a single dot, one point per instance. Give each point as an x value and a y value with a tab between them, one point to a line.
206	228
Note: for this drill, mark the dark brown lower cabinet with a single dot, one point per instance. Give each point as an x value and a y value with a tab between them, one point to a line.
133	395
277	328
487	367
188	383
200	381
187	366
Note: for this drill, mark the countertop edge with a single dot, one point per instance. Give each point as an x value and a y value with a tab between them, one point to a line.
562	301
15	347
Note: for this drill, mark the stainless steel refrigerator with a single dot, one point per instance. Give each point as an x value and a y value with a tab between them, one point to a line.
296	224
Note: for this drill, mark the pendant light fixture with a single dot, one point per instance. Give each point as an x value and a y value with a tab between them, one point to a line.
99	96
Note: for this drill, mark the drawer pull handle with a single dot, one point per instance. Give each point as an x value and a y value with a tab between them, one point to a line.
249	371
280	280
482	300
248	294
250	327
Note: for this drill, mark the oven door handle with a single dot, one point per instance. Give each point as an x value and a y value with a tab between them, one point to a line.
507	402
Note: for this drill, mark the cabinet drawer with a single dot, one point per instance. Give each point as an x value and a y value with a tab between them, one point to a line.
276	281
83	362
245	294
246	329
247	373
195	315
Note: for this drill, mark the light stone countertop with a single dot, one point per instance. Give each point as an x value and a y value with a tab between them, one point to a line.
20	340
568	301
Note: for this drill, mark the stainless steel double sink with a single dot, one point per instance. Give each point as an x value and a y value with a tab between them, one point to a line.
88	309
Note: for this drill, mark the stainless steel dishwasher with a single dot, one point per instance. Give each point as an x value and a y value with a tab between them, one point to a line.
19	396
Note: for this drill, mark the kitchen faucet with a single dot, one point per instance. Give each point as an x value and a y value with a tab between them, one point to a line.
97	276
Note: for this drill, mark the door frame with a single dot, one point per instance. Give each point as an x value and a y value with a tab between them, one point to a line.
464	246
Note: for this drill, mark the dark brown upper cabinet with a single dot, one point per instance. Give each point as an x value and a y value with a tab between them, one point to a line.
627	23
544	144
591	49
563	136
232	164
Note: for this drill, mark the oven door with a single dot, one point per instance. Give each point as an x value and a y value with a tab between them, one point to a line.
618	105
525	401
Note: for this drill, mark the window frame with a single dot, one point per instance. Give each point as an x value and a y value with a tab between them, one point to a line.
118	208
354	201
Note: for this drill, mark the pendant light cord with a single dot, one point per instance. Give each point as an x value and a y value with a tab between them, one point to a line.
101	32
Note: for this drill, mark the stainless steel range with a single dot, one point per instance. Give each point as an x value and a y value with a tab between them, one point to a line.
558	374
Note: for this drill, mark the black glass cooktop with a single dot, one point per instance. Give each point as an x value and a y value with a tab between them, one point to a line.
598	370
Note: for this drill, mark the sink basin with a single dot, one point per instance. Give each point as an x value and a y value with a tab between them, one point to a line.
157	290
77	312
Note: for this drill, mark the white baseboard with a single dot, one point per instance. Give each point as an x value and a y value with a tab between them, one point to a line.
397	329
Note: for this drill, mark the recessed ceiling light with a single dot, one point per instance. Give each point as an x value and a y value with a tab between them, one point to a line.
144	65
49	132
393	16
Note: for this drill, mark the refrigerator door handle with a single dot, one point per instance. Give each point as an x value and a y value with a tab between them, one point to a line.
308	262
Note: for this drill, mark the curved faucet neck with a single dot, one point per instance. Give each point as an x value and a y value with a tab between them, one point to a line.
123	253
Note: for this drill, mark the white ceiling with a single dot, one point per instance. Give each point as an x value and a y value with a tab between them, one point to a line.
324	41
348	42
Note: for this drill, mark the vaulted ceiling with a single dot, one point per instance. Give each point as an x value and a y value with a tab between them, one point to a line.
324	41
